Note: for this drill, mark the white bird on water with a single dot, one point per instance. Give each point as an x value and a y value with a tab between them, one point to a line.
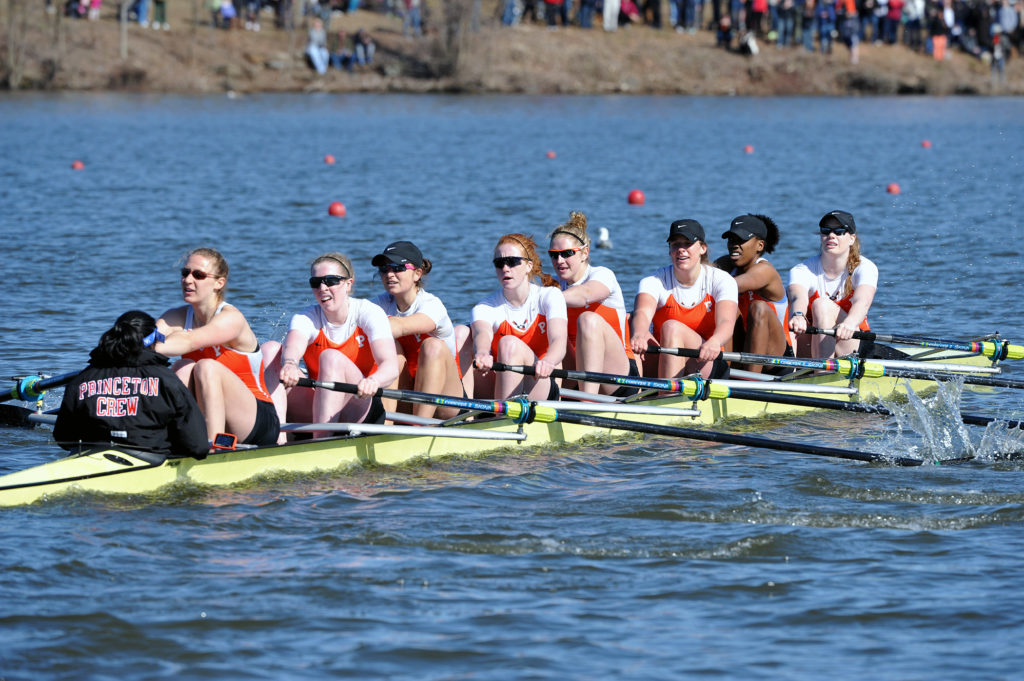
603	239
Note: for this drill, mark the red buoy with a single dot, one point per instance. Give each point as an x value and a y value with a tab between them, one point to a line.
749	149
927	144
893	188
636	197
328	159
336	209
77	165
551	154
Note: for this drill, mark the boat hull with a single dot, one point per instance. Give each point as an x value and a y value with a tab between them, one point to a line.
121	471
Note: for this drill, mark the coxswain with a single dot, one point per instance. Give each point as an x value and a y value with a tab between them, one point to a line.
128	397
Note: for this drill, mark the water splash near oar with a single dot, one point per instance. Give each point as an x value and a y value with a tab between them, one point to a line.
931	429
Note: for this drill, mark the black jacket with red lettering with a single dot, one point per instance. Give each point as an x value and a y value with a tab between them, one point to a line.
139	404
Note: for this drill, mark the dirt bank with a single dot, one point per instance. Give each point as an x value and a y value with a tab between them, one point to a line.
45	51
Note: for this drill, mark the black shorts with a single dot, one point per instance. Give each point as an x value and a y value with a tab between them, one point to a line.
376	413
625	390
267	426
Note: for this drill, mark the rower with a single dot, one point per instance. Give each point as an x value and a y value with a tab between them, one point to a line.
763	304
833	290
340	338
423	332
221	360
521	323
128	396
690	305
597	338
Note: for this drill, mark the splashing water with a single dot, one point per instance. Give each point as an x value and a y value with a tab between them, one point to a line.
932	430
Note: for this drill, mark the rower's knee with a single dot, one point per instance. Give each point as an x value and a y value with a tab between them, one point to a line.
433	349
334	366
205	371
511	350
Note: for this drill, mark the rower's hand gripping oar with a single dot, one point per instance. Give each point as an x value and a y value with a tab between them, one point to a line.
995	350
528	412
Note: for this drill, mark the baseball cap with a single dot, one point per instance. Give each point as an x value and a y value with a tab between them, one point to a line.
843	218
399	253
688	229
746	227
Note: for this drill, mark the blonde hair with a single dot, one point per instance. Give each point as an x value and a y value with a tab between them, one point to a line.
576	227
341	259
852	262
529	247
220	265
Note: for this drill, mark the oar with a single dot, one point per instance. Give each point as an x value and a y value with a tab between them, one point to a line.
524	411
31	388
512	409
855	368
752	395
996	350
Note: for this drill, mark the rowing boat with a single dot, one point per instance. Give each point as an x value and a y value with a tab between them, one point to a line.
126	471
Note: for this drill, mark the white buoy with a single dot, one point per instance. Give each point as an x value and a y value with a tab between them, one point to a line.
603	240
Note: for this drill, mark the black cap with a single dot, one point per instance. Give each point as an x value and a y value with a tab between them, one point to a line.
399	253
688	229
745	227
842	217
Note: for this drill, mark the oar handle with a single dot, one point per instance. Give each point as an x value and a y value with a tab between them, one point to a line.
678	352
859	335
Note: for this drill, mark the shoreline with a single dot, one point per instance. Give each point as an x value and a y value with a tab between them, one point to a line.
68	55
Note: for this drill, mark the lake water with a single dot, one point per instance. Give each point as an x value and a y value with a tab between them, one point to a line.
632	558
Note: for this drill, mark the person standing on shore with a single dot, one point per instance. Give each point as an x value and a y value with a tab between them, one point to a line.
610	14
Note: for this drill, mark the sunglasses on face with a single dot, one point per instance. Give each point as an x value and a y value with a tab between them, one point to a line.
508	260
330	280
565	254
838	231
198	275
392	268
676	245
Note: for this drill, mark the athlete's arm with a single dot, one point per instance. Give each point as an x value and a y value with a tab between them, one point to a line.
644	308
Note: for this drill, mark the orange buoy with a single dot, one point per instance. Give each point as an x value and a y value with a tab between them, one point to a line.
927	144
336	209
749	149
636	197
551	154
893	188
77	165
328	159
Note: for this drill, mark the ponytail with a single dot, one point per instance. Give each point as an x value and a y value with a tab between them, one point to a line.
852	263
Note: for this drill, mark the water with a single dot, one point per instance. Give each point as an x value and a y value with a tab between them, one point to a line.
631	558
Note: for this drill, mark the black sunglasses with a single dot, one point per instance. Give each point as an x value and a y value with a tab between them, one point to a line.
838	231
393	268
510	260
198	275
330	280
566	253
